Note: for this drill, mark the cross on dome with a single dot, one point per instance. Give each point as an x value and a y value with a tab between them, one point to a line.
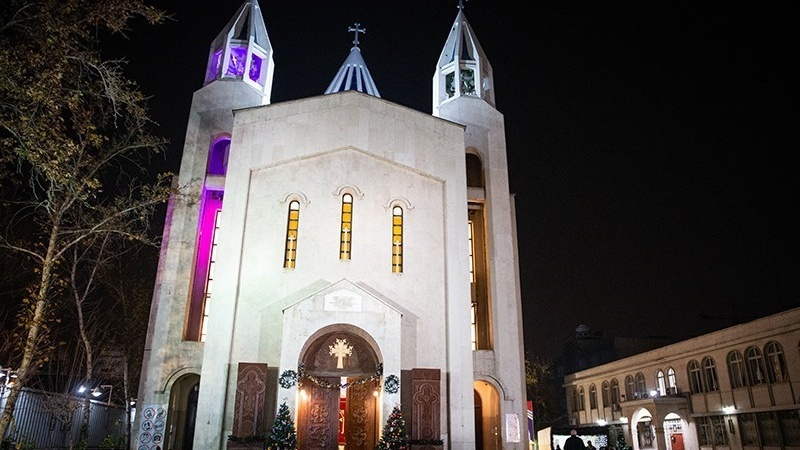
357	29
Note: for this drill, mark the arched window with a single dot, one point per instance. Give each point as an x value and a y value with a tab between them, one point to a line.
776	363
695	379
581	399
397	239
593	397
474	171
614	391
672	383
292	226
629	388
710	374
661	382
736	370
755	366
641	386
606	394
347	227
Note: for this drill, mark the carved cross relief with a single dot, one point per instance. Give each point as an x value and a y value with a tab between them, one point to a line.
340	350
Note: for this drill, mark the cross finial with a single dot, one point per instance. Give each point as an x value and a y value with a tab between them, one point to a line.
461	4
357	29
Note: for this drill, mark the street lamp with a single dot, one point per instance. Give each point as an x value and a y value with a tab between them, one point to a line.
98	391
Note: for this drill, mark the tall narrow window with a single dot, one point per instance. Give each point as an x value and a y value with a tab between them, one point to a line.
755	366
710	374
672	383
736	370
593	397
196	318
614	392
397	239
641	386
606	394
212	262
581	399
479	278
776	363
293	221
347	226
629	388
661	383
695	380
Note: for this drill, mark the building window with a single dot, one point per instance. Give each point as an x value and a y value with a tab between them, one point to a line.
748	429
397	239
710	375
479	278
755	366
695	383
776	363
641	386
672	383
629	388
768	428
581	399
614	392
593	397
736	370
720	434
474	171
705	435
292	223
790	425
606	394
204	262
661	383
212	262
347	227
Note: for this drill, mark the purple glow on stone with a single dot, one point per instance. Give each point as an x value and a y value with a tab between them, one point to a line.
237	60
213	66
255	68
211	203
218	157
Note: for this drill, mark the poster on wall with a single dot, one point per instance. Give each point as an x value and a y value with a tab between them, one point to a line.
151	427
512	428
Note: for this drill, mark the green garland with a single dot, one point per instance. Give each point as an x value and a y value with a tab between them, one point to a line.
301	373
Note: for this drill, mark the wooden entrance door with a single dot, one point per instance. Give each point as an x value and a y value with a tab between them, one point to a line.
360	426
318	422
677	441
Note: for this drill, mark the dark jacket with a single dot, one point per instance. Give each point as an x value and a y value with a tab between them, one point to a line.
574	443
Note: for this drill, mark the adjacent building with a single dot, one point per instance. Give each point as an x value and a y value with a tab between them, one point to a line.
341	254
737	389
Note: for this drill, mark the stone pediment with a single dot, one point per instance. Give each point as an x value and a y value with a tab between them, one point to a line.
344	296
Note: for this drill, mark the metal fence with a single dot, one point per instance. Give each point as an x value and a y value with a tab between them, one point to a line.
50	421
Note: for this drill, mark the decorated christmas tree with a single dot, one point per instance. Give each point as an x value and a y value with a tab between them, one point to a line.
394	433
282	436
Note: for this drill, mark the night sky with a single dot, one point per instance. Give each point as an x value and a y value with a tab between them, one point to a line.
648	145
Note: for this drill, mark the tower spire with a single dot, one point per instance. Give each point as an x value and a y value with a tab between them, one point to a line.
463	70
242	51
353	75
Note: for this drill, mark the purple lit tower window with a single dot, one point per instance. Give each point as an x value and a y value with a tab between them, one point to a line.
236	65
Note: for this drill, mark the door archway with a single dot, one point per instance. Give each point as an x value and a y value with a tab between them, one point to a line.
339	393
182	412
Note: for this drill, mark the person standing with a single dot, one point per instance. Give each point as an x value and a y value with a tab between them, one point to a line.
573	442
589	445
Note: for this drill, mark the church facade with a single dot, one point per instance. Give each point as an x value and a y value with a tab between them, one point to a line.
340	254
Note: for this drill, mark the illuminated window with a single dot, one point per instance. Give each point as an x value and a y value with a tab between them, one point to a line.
629	388
672	383
290	255
347	226
593	397
641	387
661	384
479	279
736	370
581	400
397	239
212	262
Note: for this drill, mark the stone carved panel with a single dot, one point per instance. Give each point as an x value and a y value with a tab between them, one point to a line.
425	404
249	417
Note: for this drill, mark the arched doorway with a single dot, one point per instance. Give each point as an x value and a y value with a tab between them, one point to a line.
182	412
338	393
487	426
